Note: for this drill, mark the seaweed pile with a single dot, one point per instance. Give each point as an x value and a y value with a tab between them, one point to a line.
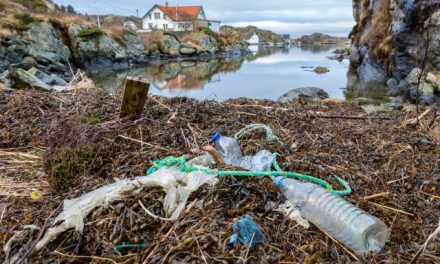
58	146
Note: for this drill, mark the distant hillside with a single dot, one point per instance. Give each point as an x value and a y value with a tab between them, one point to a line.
266	36
317	38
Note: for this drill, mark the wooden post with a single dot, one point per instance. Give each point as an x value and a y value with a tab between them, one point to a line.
135	93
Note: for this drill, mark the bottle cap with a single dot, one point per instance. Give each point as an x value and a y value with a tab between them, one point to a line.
216	137
278	180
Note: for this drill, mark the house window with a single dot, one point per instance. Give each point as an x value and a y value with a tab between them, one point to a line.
165	26
164	17
150	25
156	16
149	16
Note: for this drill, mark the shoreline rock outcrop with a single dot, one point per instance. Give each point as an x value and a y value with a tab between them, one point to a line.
58	50
392	41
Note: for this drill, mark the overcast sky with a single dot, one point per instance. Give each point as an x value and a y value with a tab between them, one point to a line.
297	17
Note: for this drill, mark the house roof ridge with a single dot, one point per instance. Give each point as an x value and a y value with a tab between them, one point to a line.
181	13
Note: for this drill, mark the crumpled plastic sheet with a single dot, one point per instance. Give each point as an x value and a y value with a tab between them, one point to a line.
177	185
247	232
294	213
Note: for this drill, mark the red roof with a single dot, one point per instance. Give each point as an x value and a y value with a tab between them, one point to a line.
181	13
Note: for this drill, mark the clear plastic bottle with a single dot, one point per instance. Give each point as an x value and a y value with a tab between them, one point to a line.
231	154
347	223
228	148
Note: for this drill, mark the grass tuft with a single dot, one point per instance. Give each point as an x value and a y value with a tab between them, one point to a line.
67	166
90	32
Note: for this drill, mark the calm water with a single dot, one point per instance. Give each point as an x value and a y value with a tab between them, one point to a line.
266	74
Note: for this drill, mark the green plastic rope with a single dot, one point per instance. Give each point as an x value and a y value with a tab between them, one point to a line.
184	167
270	135
119	247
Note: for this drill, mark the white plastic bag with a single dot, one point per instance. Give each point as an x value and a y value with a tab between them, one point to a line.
177	185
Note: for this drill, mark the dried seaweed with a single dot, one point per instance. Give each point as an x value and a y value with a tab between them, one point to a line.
391	164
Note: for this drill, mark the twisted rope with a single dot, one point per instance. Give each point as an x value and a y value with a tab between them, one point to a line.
184	167
270	135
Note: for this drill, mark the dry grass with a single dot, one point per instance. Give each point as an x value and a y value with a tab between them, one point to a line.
117	33
365	13
189	39
152	40
66	19
377	35
384	49
4	32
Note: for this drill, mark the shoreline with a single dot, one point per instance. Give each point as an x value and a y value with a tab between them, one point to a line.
53	130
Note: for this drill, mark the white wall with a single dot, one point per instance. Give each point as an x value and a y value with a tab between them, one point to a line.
157	23
214	26
254	40
184	26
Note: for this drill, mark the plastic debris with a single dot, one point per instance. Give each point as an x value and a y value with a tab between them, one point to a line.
294	213
36	195
231	154
120	247
347	223
270	135
177	185
247	232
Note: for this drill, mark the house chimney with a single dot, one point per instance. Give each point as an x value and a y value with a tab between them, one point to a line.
166	3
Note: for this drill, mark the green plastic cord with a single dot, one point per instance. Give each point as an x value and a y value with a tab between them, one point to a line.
184	167
119	247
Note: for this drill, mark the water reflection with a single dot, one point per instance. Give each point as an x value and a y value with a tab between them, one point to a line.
266	73
356	88
175	75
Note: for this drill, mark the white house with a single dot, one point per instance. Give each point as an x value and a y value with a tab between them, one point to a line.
177	18
253	40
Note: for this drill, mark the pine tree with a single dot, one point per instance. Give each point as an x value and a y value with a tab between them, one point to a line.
70	9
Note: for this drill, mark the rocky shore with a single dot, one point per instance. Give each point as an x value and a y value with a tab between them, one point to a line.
396	43
47	53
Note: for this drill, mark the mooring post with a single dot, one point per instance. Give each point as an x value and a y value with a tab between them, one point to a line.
135	93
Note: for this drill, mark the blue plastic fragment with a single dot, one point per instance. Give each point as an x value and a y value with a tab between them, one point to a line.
247	232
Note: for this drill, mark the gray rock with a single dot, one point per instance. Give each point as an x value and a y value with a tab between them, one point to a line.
371	73
393	86
15	53
355	57
26	63
96	50
205	43
414	76
135	46
50	79
4	78
171	45
311	93
431	78
46	43
186	49
22	79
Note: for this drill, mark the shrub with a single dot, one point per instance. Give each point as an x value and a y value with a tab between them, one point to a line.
67	166
90	32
